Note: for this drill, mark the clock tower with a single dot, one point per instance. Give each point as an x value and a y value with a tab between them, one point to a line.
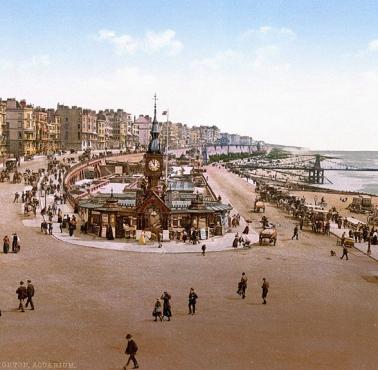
154	158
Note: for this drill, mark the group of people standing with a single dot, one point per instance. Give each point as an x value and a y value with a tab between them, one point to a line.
15	243
25	292
160	312
242	239
242	287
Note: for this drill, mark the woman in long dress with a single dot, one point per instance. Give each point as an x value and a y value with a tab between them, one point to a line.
167	311
6	243
142	239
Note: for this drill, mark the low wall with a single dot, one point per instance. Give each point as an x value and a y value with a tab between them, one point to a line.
75	171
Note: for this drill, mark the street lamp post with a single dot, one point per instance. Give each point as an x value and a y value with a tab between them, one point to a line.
45	195
166	113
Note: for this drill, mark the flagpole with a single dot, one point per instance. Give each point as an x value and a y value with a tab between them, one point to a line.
166	165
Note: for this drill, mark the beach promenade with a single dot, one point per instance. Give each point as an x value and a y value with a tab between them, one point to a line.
321	311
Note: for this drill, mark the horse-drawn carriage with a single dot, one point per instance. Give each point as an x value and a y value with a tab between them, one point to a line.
4	176
11	164
259	205
17	177
86	155
268	235
372	218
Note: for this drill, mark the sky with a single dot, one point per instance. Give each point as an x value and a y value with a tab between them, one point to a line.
301	73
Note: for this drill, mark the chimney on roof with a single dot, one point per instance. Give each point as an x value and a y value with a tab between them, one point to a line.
23	103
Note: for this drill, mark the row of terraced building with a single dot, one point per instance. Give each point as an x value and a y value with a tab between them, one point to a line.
27	130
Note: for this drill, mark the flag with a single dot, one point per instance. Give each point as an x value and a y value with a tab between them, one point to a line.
165	113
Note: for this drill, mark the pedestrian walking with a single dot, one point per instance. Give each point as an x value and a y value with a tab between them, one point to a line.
71	228
157	310
203	249
301	222
6	243
50	228
184	236
21	295
242	285
131	350
30	294
345	253
265	288
16	197
15	243
159	239
167	309
295	234
235	243
192	302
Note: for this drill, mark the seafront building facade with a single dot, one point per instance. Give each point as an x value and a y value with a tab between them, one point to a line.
27	130
22	131
41	127
78	127
3	129
53	130
143	125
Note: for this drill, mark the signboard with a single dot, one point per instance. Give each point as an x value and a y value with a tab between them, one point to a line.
203	234
165	235
118	170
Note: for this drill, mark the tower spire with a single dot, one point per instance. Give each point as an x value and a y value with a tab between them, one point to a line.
155	98
154	146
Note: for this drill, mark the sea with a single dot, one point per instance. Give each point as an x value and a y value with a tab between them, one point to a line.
366	182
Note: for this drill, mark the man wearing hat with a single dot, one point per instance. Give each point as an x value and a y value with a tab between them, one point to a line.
21	294
131	350
30	293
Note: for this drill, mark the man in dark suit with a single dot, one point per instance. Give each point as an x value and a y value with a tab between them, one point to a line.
21	295
131	350
192	302
30	293
265	288
345	252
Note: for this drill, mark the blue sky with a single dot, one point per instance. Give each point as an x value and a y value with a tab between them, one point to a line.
293	72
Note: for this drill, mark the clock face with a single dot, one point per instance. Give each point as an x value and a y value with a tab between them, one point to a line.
154	165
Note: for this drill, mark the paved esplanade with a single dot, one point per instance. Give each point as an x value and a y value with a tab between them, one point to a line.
321	311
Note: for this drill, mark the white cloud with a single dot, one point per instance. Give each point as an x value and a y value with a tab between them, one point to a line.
40	60
34	62
217	61
5	64
156	41
272	34
122	43
373	45
152	42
